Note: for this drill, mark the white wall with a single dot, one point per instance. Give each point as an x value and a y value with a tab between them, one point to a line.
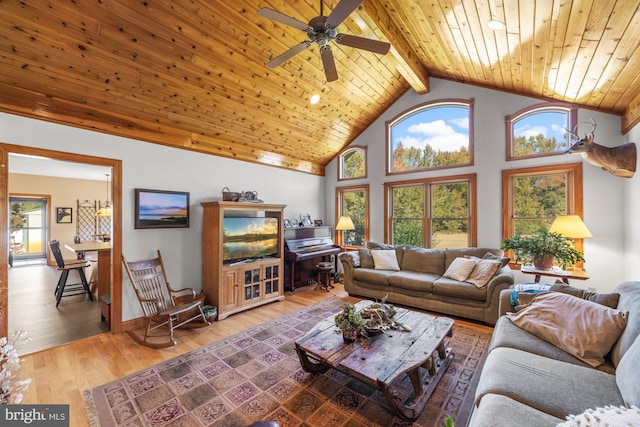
632	210
604	194
153	166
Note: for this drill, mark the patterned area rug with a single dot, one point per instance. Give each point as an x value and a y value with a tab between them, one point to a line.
256	375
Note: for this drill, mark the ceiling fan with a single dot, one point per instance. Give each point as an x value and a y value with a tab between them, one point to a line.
323	30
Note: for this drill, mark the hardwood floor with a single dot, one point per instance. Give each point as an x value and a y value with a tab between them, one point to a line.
60	375
32	307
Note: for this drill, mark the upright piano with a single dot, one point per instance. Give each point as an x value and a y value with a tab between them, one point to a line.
303	248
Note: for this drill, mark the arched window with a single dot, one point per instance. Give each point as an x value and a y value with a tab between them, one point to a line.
352	163
431	136
539	130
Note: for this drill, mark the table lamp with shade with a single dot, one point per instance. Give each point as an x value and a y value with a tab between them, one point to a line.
344	224
570	226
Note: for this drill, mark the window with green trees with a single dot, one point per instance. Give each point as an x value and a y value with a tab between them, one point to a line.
434	135
352	163
540	130
435	213
353	201
534	197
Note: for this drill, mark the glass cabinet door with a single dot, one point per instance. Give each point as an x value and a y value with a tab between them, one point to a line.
251	284
271	279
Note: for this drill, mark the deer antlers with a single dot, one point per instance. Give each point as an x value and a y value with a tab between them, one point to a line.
574	135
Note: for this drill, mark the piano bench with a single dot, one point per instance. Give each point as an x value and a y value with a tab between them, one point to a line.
325	274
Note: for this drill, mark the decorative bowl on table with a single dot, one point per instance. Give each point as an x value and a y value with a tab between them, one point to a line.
378	317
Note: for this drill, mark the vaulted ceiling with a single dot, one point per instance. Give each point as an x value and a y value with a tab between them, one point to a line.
192	74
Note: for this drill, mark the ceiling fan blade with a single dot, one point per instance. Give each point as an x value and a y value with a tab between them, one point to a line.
285	56
342	10
328	63
375	46
282	18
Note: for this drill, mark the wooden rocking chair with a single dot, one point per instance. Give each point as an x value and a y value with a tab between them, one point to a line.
156	297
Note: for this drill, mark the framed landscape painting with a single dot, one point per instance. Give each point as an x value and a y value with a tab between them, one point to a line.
161	209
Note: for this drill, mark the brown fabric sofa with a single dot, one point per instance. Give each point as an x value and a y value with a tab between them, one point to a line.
420	283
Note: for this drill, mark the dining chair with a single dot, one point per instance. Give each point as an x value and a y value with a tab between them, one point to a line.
64	289
159	303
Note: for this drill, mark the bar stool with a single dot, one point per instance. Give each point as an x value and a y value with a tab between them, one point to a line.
325	273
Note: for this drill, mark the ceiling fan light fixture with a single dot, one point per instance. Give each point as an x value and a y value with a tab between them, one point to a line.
315	98
496	25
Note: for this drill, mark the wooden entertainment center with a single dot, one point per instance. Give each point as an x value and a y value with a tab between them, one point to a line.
240	285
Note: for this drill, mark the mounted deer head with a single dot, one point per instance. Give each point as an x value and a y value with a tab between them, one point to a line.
619	161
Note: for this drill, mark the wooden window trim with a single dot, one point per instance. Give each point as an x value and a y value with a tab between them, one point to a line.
470	103
473	206
571	110
338	203
575	196
340	161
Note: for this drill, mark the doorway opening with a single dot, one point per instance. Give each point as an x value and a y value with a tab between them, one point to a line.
24	236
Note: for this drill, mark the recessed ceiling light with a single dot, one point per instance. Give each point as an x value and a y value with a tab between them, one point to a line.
314	99
496	25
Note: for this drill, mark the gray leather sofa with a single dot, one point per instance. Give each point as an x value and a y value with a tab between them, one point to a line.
419	282
527	381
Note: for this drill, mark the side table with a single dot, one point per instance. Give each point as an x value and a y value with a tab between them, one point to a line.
565	275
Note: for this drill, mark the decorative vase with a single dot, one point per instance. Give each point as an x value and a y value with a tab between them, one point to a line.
545	262
349	335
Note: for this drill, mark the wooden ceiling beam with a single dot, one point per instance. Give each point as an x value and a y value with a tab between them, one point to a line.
631	115
378	19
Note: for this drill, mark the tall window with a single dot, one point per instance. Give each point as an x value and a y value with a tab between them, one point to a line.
352	163
433	135
540	130
436	212
533	197
353	202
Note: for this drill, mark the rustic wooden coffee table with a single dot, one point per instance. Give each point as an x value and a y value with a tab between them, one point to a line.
387	359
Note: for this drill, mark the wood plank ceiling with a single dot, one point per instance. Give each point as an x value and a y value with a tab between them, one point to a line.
192	73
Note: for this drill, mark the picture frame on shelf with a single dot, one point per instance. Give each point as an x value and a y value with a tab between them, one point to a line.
287	223
161	209
306	220
293	223
64	215
317	223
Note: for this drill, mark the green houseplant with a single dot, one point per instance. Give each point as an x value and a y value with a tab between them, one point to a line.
210	312
542	248
350	322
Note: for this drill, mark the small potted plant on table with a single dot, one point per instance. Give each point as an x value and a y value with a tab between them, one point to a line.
350	322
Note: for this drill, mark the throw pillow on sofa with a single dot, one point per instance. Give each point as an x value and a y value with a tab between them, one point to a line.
483	271
582	328
460	269
610	300
503	260
366	260
385	259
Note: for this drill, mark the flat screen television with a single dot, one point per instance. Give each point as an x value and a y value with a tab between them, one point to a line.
249	238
